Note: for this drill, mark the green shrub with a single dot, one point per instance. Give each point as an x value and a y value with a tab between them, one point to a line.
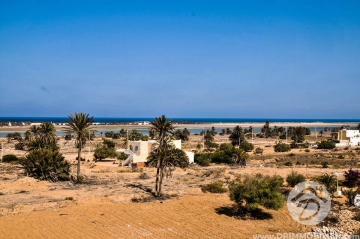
282	147
9	158
326	144
294	178
257	191
221	157
102	152
202	159
46	164
307	150
245	145
69	198
288	163
350	195
109	143
258	150
19	146
215	187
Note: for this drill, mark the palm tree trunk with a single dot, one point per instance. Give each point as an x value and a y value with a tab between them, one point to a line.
161	178
79	156
158	178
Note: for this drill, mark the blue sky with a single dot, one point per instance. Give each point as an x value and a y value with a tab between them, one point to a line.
264	59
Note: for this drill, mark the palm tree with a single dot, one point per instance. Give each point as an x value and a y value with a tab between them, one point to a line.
164	129
236	136
47	133
240	157
79	126
35	130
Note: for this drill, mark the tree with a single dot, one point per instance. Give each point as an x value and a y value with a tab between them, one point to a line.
266	129
35	130
182	134
351	178
240	157
164	130
257	191
236	136
79	124
328	180
47	133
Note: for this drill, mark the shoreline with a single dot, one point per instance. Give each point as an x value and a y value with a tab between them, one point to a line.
191	126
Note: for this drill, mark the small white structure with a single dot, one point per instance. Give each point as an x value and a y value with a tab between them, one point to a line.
348	138
357	200
138	151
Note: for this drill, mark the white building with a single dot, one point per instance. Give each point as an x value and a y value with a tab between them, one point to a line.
138	151
348	137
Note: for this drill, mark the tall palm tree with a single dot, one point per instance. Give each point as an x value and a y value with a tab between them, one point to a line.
164	129
47	133
79	126
236	136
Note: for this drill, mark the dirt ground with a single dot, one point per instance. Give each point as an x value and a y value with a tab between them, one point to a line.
115	202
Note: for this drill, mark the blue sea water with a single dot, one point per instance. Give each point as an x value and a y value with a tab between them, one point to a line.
104	120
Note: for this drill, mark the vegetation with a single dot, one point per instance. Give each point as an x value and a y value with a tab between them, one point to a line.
281	147
182	134
328	180
245	145
203	159
351	178
326	144
258	150
9	158
236	136
164	155
350	195
255	191
215	187
294	178
46	164
78	126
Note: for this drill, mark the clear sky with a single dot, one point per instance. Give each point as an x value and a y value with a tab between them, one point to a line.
243	59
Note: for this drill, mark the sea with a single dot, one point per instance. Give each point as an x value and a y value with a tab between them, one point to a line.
121	120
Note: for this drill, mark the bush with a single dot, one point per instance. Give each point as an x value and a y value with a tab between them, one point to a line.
45	164
257	191
202	159
245	145
69	198
9	158
216	187
325	164
19	146
258	150
307	150
109	143
102	152
289	164
351	178
294	178
221	157
326	144
350	195
282	147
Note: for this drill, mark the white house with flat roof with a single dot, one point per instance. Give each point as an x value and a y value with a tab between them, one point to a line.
348	137
138	151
